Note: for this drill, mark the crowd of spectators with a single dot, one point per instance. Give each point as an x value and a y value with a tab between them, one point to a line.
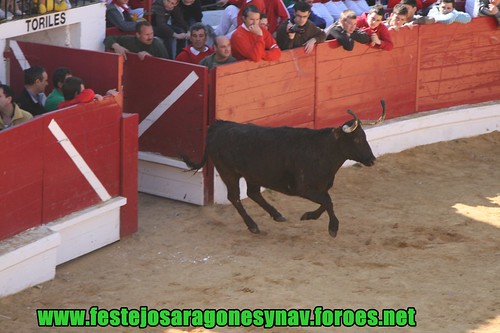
31	101
249	30
288	25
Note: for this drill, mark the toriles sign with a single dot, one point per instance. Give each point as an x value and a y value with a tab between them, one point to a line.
45	22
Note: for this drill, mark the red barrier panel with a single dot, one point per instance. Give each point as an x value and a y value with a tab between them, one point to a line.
267	93
128	174
358	79
94	131
171	99
459	64
100	71
430	67
21	178
41	181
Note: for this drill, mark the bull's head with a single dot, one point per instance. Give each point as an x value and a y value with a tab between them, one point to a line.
354	145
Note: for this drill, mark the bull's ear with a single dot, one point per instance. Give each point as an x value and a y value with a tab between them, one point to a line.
337	132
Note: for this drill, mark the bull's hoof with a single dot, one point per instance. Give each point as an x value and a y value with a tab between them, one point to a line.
279	219
332	233
254	230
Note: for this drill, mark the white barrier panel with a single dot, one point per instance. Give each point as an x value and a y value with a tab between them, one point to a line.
169	178
28	259
31	257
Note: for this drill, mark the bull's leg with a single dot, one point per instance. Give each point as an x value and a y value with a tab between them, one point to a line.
326	203
313	215
233	195
253	192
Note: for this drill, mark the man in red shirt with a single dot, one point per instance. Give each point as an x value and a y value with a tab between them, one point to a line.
250	41
197	50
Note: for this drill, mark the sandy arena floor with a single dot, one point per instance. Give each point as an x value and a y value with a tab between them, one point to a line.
419	229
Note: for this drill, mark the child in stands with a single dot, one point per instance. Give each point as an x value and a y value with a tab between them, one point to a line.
74	92
371	23
398	17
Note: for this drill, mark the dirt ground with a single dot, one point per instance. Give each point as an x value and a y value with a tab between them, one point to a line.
419	229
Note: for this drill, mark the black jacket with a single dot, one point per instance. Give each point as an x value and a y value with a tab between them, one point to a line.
347	42
26	103
310	31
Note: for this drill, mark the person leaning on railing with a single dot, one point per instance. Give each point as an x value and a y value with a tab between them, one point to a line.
74	92
398	17
346	32
446	13
371	23
300	32
414	18
143	43
490	8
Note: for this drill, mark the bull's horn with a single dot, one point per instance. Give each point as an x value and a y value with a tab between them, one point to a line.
379	120
350	129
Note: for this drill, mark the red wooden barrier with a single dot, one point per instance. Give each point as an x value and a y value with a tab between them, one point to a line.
178	93
432	66
358	79
100	71
21	178
128	174
277	93
40	181
459	64
94	130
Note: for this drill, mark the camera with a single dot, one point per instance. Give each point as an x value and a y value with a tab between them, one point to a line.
296	29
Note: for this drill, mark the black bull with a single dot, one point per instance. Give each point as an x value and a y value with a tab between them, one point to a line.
295	161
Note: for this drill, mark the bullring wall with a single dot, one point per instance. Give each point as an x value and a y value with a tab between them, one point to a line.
43	181
431	67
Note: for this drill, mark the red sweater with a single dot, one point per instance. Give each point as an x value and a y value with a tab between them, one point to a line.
382	32
187	55
87	95
247	45
276	14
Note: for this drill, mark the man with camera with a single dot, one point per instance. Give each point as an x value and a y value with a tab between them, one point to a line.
300	31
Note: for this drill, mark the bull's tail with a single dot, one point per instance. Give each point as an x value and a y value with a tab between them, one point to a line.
192	165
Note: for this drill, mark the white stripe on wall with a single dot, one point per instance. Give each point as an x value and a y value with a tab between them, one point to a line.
18	53
78	160
167	102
